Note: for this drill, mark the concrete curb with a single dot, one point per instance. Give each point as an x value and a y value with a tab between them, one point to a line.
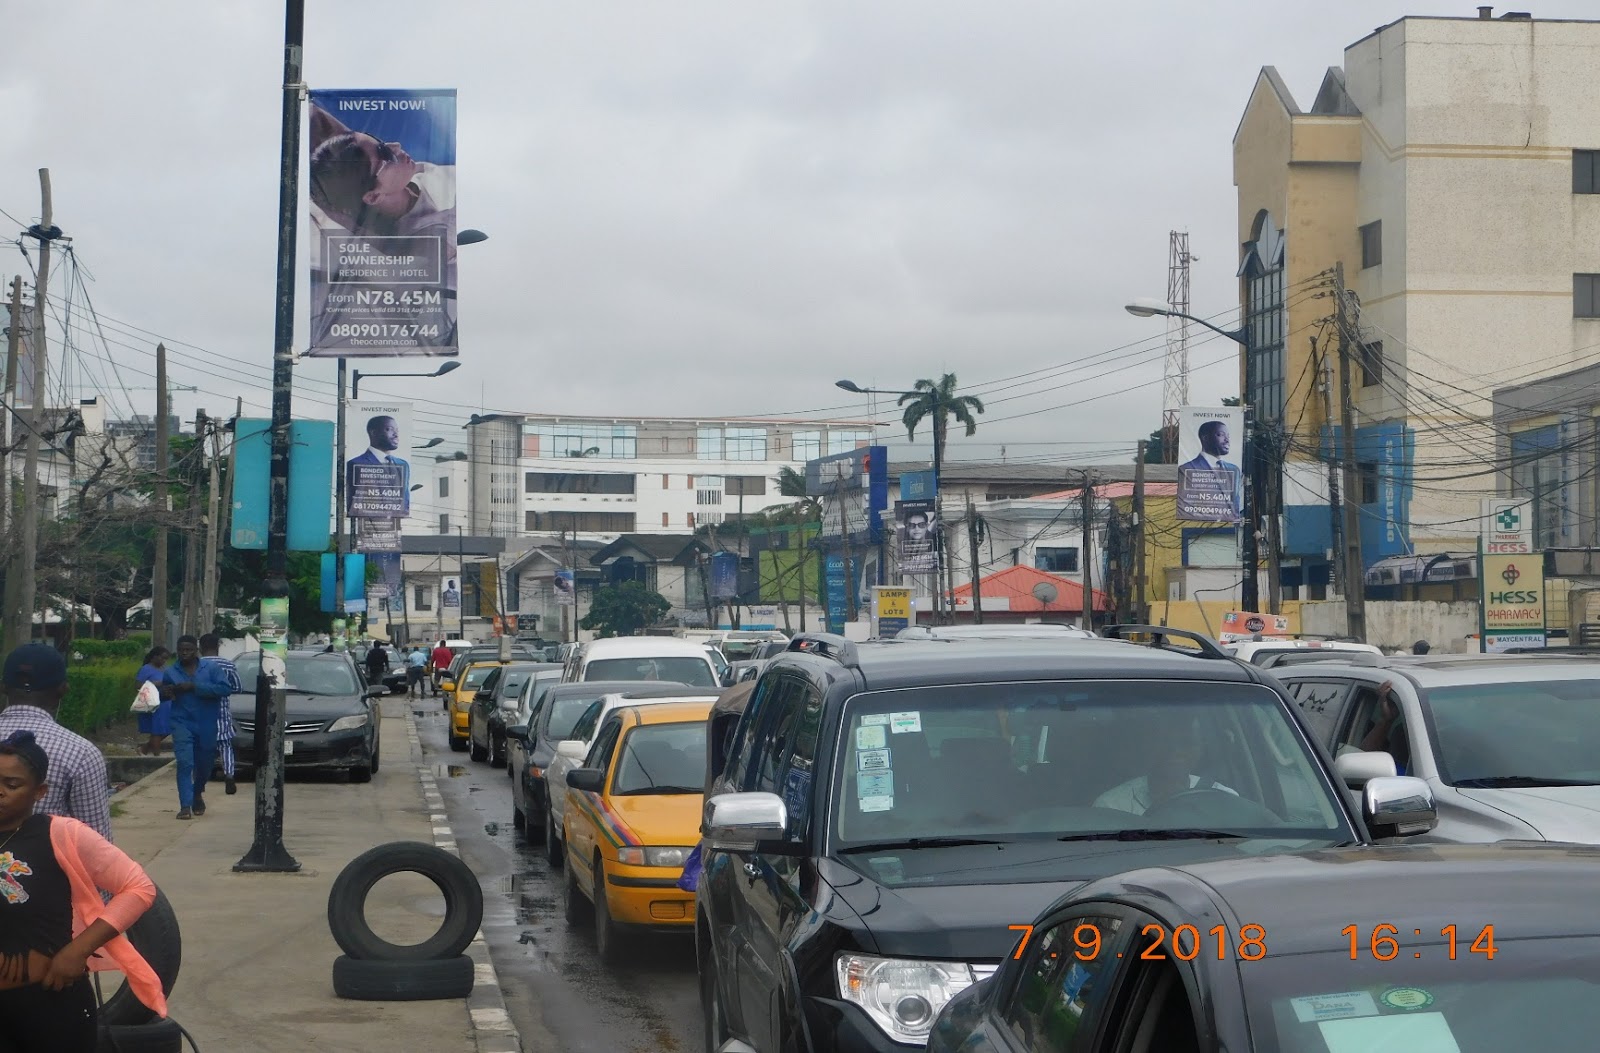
492	1028
135	787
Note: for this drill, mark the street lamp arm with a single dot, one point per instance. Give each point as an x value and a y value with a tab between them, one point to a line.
1240	335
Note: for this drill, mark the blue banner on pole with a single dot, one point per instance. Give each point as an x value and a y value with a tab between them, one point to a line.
724	576
310	484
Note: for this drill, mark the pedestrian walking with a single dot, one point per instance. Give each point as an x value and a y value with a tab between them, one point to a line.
35	683
416	669
228	673
54	924
442	657
377	663
196	691
158	725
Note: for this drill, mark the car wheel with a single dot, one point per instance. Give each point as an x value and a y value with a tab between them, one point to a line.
479	753
376	753
579	910
458	745
608	938
532	825
497	753
552	843
518	820
713	1026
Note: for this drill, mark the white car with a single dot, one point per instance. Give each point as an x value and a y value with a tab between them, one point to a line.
570	753
1265	650
644	658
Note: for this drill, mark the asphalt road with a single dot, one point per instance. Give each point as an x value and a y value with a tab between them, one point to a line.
558	993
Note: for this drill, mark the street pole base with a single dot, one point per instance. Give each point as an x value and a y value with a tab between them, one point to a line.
267	859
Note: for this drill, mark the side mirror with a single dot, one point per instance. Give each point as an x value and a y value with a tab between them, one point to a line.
377	691
728	678
736	822
1398	806
518	732
1355	770
482	696
751	673
572	749
447	684
590	780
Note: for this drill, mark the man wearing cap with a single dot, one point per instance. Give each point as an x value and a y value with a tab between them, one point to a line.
35	683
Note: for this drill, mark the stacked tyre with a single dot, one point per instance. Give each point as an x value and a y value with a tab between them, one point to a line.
374	969
127	1025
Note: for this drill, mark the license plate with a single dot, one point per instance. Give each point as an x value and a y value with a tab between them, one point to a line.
288	746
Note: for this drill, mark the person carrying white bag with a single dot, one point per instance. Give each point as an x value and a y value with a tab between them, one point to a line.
156	720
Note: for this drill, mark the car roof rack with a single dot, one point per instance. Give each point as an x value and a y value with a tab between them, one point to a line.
1208	648
1309	657
827	645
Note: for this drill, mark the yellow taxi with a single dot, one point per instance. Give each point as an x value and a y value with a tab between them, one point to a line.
459	698
633	818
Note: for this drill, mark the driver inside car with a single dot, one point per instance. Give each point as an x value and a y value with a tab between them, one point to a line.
1174	754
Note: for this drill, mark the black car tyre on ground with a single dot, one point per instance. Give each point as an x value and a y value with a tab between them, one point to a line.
459	745
158	1036
155	936
361	773
497	752
579	909
463	902
479	753
552	843
379	981
609	939
533	822
715	1031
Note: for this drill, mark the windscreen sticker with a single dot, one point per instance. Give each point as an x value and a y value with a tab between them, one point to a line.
874	784
1414	1033
1406	998
872	760
869	719
889	868
877	804
871	738
1334	1006
903	722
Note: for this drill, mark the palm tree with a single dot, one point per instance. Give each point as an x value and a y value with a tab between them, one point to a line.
940	402
806	509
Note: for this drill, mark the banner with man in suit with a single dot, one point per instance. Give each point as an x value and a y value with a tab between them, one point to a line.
378	479
1210	452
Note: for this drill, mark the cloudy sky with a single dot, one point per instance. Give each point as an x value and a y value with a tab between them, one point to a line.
694	208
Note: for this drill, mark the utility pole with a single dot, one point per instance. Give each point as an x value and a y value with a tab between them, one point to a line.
267	851
1086	499
193	573
158	571
208	580
1354	569
1274	491
340	542
19	620
1335	505
461	580
974	528
1141	603
844	544
13	351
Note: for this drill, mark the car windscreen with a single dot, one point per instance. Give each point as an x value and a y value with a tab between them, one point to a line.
1076	758
477	675
1540	730
696	672
662	759
307	675
564	713
1535	994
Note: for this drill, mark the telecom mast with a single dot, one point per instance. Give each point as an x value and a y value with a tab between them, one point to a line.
1175	391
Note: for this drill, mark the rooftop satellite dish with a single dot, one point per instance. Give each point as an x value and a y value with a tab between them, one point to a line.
1045	592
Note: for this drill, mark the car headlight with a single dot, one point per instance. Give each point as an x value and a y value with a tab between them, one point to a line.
653	857
350	723
902	996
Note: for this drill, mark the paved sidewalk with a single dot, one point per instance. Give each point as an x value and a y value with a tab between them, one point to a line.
257	954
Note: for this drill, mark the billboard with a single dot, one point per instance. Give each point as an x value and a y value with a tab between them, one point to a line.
450	595
383	223
1507	525
1513	592
725	576
854	487
916	528
378	479
377	535
566	591
1210	478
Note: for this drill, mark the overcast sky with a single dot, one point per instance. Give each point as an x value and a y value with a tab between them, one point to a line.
694	208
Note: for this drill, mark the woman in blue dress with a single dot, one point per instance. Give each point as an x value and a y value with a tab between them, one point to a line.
157	725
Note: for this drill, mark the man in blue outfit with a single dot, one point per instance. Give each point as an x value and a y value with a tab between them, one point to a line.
197	689
210	645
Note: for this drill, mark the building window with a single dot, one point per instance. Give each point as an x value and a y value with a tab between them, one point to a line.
1056	560
747	486
580	440
444	523
1536	457
690	480
1369	482
665	479
845	441
1372	244
691	520
665	516
1586	171
1372	364
746	444
592	522
708	444
1586	296
422	598
578	483
444	486
709	492
1264	325
807	445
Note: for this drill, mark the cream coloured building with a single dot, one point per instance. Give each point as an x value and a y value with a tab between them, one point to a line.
1450	165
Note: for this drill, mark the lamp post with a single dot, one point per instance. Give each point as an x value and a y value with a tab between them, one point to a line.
1250	591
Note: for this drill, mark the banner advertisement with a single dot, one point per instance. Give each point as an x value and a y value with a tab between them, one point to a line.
378	479
565	590
837	589
916	529
724	576
383	223
1246	625
378	535
891	609
1210	449
1507	525
391	575
450	595
1511	601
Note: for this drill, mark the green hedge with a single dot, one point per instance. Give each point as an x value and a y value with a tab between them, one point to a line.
98	692
135	647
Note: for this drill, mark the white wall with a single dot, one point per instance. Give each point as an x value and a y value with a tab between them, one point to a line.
1395	624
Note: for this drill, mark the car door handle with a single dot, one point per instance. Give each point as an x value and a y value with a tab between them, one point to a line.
751	872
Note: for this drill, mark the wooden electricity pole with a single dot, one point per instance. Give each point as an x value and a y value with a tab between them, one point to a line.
1086	496
1141	603
158	571
972	548
1354	569
19	620
9	397
208	573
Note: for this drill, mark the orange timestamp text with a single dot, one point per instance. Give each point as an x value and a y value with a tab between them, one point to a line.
1383	942
1187	942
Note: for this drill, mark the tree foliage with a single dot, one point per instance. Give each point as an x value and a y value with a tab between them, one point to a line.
937	401
625	608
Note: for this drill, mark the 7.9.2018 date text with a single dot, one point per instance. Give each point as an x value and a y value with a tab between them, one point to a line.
1187	942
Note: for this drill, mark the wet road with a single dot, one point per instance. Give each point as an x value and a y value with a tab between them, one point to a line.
558	993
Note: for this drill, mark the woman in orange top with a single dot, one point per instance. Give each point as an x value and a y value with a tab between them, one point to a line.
54	926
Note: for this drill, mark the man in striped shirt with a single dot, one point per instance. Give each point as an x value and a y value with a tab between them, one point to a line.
35	682
227	673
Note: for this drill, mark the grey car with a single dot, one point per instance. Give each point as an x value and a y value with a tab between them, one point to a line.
330	720
1510	744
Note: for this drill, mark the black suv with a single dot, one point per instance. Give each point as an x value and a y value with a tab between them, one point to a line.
892	816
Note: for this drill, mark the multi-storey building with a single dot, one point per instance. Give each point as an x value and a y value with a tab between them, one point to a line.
1452	166
605	476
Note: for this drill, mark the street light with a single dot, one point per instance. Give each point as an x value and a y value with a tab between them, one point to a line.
1146	308
355	377
430	444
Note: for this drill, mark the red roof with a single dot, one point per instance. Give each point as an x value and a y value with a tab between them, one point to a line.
1109	490
1018	584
